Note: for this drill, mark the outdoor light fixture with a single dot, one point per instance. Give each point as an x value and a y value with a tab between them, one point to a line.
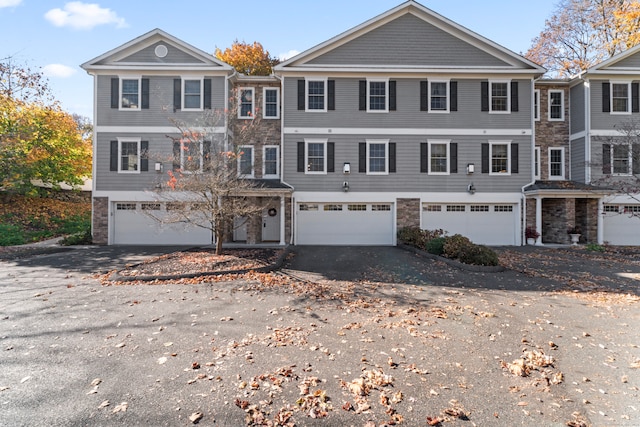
471	188
470	168
345	186
158	167
346	169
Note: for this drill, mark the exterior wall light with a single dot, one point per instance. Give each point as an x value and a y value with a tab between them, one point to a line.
346	169
471	188
345	187
158	167
470	168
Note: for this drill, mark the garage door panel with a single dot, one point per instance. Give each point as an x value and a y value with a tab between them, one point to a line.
621	225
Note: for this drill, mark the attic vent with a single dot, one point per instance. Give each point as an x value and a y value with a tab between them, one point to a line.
161	51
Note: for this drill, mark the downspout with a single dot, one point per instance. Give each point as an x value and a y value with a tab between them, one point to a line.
226	108
523	240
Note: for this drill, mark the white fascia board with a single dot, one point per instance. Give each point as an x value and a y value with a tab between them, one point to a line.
391	197
481	70
407	131
152	129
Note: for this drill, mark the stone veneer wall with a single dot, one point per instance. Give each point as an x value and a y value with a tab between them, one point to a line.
408	213
552	133
587	219
100	221
558	215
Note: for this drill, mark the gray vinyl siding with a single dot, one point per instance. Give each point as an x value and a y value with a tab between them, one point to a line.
577	150
600	120
408	176
596	161
577	108
631	62
160	103
174	56
408	114
408	40
160	150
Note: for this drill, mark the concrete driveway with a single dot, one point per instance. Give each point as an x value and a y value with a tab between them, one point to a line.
74	352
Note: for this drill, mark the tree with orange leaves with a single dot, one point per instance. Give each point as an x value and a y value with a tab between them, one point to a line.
248	59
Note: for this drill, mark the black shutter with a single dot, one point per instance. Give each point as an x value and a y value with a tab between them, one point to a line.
301	94
392	95
362	157
453	159
453	95
207	94
144	156
424	157
606	101
392	157
115	92
484	97
485	157
362	98
113	158
635	158
424	95
331	93
301	165
331	157
514	97
177	94
145	94
514	158
606	159
206	155
635	97
176	155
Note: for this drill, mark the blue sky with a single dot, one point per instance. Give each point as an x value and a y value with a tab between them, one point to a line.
57	36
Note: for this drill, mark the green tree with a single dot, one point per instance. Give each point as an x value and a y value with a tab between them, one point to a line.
248	59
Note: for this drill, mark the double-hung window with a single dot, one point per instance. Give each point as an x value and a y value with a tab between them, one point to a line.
556	105
438	96
620	97
499	96
556	163
245	161
316	156
500	158
192	94
129	155
621	159
271	103
377	157
438	157
536	105
245	103
536	163
270	161
316	95
130	93
377	95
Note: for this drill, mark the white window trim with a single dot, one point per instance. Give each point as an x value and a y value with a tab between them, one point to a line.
508	110
264	150
629	100
536	163
386	156
630	157
561	118
386	96
306	155
552	177
431	142
264	103
448	96
125	77
183	94
120	141
536	105
253	157
183	152
306	93
508	144
253	102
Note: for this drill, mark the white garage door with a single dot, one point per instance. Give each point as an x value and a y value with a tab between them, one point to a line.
133	227
344	224
488	224
622	225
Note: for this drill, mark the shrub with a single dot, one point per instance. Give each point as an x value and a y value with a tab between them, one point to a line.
594	247
435	246
478	255
11	235
454	245
411	236
82	238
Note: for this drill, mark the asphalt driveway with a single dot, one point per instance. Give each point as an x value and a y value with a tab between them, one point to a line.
431	341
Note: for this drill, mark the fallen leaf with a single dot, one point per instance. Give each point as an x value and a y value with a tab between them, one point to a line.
96	381
120	408
104	404
162	360
196	417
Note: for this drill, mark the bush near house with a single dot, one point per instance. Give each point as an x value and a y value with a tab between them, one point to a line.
456	247
26	219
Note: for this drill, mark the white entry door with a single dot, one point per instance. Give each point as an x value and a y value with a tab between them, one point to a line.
271	224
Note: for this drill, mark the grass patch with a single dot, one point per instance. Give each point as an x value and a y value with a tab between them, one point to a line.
31	219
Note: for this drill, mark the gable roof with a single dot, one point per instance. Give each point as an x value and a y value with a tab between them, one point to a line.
132	56
623	63
415	41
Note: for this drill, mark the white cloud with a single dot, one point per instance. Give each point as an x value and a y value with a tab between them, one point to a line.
9	3
58	70
83	16
290	54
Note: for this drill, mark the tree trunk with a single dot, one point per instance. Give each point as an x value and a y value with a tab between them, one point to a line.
219	234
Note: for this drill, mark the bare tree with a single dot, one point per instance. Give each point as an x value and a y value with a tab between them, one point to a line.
208	186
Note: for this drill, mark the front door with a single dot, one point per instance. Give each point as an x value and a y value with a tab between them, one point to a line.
271	224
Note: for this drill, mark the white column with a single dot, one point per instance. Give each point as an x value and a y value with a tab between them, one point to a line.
283	214
539	219
600	221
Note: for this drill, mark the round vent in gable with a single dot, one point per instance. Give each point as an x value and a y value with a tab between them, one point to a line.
161	51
